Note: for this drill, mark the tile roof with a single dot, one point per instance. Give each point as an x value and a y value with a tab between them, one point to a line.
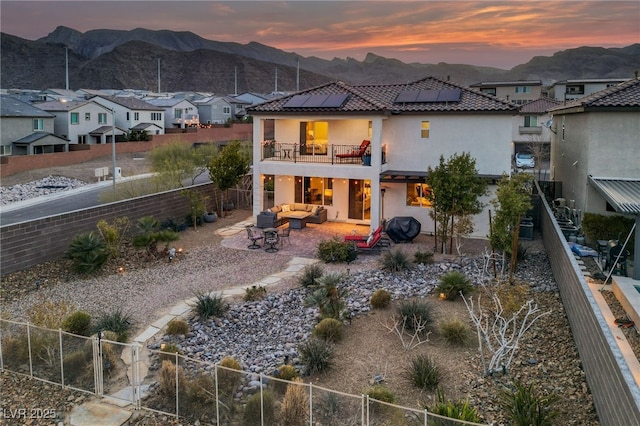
381	99
36	136
623	95
60	106
131	103
508	83
539	106
13	107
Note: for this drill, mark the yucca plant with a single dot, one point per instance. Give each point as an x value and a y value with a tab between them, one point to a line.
316	354
328	297
207	306
452	284
423	257
310	274
395	261
525	407
455	332
458	410
88	253
414	313
423	372
116	321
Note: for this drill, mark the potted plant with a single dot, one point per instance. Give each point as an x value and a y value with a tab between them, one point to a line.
210	215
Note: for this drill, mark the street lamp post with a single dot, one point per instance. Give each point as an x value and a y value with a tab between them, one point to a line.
113	148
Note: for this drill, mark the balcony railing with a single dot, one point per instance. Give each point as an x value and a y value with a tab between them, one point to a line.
314	153
530	130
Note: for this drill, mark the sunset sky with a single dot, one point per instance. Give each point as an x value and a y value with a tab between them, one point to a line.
489	33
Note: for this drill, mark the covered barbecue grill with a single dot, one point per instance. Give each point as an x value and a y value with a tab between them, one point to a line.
403	229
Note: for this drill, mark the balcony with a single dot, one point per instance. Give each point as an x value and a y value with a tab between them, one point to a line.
525	130
314	153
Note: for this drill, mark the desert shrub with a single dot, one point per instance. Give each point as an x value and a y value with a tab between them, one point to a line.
167	380
168	351
177	327
78	322
254	293
114	233
200	395
15	349
88	252
524	407
50	314
229	376
455	332
316	354
284	372
512	297
424	257
256	408
76	365
329	297
395	260
294	410
310	274
329	329
380	298
382	394
336	251
423	372
116	321
459	410
150	234
452	283
207	306
414	313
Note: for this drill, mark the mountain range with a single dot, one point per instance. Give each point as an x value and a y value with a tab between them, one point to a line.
118	59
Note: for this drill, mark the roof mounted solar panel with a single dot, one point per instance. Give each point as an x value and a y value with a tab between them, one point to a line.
335	100
428	96
449	95
296	101
315	101
407	96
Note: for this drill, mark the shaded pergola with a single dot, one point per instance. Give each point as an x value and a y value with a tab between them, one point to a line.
624	196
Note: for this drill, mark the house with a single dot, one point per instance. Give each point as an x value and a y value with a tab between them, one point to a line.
82	122
531	132
27	130
519	92
568	90
595	149
253	98
134	114
408	127
58	95
215	109
178	113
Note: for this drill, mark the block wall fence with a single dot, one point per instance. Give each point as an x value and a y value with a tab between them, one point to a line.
26	244
83	153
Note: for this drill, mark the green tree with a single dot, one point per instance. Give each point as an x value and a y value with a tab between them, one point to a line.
177	162
227	168
512	201
456	188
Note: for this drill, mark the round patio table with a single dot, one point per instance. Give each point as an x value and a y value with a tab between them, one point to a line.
271	239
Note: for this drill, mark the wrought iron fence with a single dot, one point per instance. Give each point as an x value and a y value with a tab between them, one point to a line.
167	382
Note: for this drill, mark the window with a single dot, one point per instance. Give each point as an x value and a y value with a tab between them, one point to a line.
156	116
530	121
424	129
314	190
82	139
523	89
177	113
417	195
576	89
102	118
5	149
38	124
489	91
136	116
75	118
128	117
87	116
226	110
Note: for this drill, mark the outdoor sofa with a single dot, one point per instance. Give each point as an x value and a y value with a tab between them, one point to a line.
279	215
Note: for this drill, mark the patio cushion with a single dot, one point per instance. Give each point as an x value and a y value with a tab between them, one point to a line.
299	206
286	208
276	209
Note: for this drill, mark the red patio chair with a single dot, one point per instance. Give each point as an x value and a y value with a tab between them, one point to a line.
355	154
374	243
361	238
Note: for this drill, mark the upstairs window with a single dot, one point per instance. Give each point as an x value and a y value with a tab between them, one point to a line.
575	89
489	91
87	116
75	118
102	118
530	121
523	89
424	129
136	116
226	110
177	113
156	116
38	124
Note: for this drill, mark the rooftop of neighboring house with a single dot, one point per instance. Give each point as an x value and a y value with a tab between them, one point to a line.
539	106
13	107
591	81
624	95
508	83
166	102
133	104
61	105
426	95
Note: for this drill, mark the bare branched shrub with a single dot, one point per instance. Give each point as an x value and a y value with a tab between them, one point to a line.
409	339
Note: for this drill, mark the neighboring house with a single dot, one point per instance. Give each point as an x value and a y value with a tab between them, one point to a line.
568	90
27	130
58	95
82	122
133	114
178	113
214	109
595	151
238	107
253	98
531	132
409	126
519	92
89	93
